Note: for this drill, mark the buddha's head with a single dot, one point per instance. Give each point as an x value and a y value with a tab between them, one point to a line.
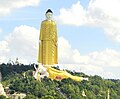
49	14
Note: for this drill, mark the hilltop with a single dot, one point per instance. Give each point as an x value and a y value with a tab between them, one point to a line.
18	78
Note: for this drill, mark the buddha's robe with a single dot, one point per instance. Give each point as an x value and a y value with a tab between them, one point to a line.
48	43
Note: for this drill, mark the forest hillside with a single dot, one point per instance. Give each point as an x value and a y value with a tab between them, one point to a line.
18	78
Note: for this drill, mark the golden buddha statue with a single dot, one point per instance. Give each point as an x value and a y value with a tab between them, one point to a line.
48	41
47	55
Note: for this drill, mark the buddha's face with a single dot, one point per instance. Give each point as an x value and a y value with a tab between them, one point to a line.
49	15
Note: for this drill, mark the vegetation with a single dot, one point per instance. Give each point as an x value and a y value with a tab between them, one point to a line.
19	79
2	97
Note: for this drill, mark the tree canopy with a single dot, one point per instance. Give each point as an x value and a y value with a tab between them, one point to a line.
19	79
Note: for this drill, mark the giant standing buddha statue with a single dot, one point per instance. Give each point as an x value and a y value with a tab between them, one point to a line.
47	55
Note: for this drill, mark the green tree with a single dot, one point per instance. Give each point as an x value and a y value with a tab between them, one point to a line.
2	97
47	97
29	96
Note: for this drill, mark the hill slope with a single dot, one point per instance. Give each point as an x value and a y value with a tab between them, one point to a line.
19	79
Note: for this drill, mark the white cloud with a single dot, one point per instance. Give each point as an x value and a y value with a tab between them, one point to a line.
105	14
107	57
99	13
109	74
74	16
69	55
0	30
21	43
7	5
3	50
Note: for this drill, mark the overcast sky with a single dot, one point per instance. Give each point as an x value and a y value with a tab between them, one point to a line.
88	32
